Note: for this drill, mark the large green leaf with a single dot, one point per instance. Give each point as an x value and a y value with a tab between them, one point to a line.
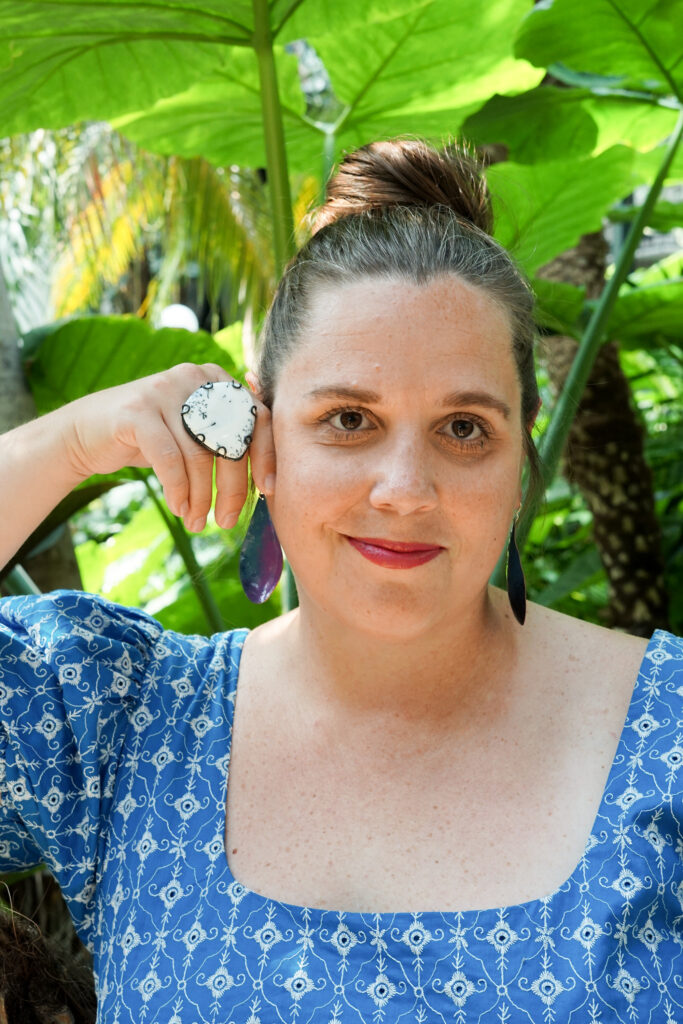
542	124
221	118
89	354
627	122
426	71
638	43
320	17
61	62
549	123
543	209
646	166
183	613
422	72
652	313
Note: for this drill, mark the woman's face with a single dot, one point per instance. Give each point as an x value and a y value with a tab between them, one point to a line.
396	421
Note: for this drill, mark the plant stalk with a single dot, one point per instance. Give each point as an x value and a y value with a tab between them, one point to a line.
195	572
18	581
274	137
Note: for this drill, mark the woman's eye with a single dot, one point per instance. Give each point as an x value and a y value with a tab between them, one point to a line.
464	430
348	420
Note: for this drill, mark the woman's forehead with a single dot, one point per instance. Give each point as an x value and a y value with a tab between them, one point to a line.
388	334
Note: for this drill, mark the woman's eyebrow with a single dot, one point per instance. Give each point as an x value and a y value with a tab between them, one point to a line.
455	399
343	391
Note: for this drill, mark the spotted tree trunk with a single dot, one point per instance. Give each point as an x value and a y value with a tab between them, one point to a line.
605	458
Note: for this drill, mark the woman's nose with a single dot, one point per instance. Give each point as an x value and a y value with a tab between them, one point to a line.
403	479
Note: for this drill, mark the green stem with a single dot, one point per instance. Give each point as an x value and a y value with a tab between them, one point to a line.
18	581
274	135
565	410
195	572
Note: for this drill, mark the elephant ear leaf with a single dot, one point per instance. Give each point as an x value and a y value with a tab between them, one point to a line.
89	354
63	62
634	46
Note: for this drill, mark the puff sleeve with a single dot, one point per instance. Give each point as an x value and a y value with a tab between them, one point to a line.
72	666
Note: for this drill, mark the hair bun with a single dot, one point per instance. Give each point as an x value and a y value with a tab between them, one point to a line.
406	172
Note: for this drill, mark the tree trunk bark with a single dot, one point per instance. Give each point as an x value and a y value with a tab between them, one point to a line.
605	458
56	565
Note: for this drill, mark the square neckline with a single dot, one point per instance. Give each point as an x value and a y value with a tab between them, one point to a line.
526	906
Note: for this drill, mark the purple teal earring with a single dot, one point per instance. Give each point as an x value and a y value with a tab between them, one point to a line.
515	577
261	555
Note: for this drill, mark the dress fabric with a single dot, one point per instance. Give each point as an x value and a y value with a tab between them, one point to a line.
114	753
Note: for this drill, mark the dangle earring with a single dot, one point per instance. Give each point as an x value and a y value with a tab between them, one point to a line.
515	577
261	555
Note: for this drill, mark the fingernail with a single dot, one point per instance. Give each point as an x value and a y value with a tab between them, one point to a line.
269	484
230	520
184	509
198	525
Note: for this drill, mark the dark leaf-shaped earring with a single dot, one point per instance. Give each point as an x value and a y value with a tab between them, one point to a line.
261	556
515	578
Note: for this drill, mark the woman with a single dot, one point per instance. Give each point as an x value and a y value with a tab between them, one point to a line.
434	812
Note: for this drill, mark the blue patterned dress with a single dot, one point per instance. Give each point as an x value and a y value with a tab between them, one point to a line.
114	754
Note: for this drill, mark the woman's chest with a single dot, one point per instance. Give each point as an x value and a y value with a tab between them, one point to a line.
491	825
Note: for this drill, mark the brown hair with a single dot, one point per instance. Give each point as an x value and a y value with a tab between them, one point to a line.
41	983
404	209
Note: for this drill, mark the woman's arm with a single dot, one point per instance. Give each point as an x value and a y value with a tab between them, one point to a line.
35	474
135	424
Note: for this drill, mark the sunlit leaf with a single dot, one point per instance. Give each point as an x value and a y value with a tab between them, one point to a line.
426	71
77	59
639	45
542	124
652	312
93	353
543	209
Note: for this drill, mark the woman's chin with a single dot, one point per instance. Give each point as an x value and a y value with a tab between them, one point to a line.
386	613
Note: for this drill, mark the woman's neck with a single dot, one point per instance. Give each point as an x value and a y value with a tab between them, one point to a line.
434	678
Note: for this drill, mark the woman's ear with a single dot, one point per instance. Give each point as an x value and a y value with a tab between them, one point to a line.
254	383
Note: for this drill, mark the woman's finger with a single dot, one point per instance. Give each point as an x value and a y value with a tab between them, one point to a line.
231	491
262	450
161	451
199	474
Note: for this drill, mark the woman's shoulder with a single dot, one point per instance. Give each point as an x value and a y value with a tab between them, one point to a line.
571	630
44	629
592	651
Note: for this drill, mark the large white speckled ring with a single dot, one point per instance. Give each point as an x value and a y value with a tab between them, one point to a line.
221	416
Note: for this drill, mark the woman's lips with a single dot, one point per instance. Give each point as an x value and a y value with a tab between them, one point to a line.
394	554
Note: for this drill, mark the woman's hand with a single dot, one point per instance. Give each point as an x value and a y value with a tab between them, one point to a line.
139	424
